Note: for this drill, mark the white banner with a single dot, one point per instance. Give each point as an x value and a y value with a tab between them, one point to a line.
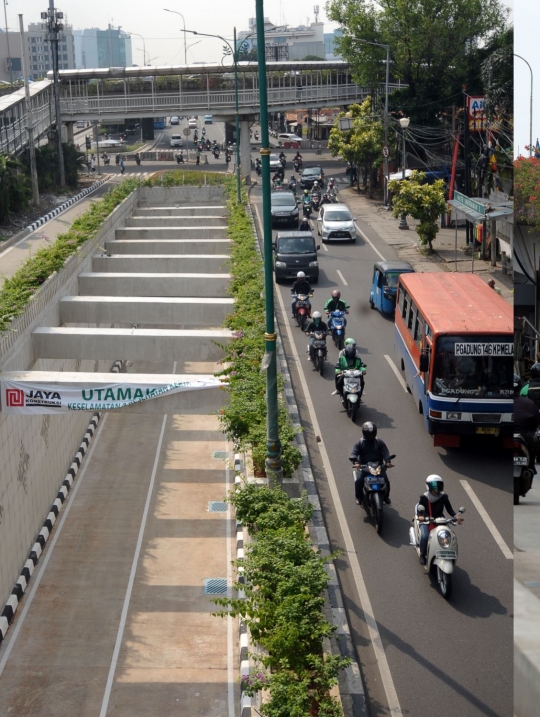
484	349
22	397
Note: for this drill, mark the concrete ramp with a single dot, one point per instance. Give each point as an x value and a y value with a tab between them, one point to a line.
168	246
201	401
162	264
141	310
170	284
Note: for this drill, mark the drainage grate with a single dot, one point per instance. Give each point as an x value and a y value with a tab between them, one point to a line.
220	455
215	586
217	506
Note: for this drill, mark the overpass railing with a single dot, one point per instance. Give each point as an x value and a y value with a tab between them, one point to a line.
13	118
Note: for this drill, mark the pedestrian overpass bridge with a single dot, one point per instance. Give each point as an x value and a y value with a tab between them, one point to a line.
119	93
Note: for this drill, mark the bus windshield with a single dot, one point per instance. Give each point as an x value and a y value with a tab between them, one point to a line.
473	366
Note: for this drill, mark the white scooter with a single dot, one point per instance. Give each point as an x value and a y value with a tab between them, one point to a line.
442	548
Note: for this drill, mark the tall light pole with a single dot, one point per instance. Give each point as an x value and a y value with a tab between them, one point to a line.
54	28
143	44
531	104
274	469
29	120
380	44
404	122
183	20
8	50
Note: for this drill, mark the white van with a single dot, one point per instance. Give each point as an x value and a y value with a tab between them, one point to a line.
192	124
207	119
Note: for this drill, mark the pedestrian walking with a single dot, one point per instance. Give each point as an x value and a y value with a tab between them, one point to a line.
198	160
92	164
122	166
354	174
227	159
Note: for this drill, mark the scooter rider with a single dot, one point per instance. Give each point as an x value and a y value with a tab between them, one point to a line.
369	449
316	324
348	360
282	155
306	199
300	286
304	225
432	504
532	389
336	303
526	416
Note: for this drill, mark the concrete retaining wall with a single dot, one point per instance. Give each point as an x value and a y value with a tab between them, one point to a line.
161	196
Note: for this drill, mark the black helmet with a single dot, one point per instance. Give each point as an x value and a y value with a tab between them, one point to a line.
435	484
518	384
369	430
535	371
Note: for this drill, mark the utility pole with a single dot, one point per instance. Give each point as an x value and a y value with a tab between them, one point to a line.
29	120
466	150
8	50
54	28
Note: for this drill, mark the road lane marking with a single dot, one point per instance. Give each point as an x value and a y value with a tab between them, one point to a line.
325	247
372	245
342	277
365	603
230	666
396	371
37	580
487	520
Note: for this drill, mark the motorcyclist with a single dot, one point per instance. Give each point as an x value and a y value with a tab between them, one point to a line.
348	359
432	504
282	156
300	286
526	416
138	158
532	388
180	157
258	166
316	191
336	303
298	157
306	199
369	449
304	225
316	324
292	184
276	180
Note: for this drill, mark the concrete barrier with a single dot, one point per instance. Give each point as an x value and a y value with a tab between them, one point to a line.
183	222
109	284
153	310
210	210
138	344
172	233
168	246
189	263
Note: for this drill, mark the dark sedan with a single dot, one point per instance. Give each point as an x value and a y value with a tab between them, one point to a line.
310	175
283	209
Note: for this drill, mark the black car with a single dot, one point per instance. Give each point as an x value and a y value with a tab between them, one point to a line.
310	175
284	209
293	252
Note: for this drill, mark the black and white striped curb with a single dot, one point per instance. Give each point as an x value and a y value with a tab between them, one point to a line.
351	685
58	210
18	591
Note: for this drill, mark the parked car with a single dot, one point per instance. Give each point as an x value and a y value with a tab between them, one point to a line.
284	209
176	140
175	120
310	175
335	221
295	251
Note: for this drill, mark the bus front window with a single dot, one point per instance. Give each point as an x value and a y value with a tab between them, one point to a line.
473	366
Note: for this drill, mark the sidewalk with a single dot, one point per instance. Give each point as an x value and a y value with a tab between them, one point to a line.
406	243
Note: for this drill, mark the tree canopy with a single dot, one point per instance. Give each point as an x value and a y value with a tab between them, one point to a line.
422	201
431	44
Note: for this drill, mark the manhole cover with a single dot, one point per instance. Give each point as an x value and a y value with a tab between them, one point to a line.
220	455
217	506
215	586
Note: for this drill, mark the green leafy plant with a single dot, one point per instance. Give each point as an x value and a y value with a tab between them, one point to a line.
422	201
14	186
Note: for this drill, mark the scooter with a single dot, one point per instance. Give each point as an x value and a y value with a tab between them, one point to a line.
353	388
524	468
306	209
374	490
442	548
138	160
337	326
302	310
316	202
318	350
292	186
180	158
296	165
283	162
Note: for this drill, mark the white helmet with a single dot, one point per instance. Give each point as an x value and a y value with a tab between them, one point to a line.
315	184
300	275
434	484
316	315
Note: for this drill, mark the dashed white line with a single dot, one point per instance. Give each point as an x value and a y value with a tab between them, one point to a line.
342	277
396	371
487	520
372	245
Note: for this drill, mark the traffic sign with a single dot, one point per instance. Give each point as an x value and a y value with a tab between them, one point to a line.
186	131
385	151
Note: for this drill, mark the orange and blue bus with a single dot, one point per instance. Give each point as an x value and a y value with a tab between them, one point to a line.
454	339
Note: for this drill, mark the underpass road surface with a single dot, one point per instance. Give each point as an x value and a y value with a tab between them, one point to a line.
172	656
456	656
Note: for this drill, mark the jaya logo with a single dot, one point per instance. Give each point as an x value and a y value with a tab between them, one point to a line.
16	397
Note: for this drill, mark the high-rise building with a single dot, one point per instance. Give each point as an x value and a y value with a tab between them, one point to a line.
39	50
102	48
287	43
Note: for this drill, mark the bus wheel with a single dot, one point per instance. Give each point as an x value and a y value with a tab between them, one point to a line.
402	365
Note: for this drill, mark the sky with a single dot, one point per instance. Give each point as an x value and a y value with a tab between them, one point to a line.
526	44
164	39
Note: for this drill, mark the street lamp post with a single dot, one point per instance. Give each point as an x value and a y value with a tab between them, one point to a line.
387	47
143	43
274	469
404	122
530	104
183	20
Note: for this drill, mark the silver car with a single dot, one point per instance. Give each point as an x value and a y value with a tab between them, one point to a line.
335	221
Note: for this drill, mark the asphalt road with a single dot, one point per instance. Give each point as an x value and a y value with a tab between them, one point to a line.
452	657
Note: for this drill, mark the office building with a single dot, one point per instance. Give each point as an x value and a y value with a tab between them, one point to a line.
39	50
102	48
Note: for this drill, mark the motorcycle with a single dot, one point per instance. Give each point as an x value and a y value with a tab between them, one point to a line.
306	209
302	309
524	467
138	160
292	187
318	350
258	169
296	165
283	162
337	325
179	159
353	387
316	202
442	549
374	490
332	195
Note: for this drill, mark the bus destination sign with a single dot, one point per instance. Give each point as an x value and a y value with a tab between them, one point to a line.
484	349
